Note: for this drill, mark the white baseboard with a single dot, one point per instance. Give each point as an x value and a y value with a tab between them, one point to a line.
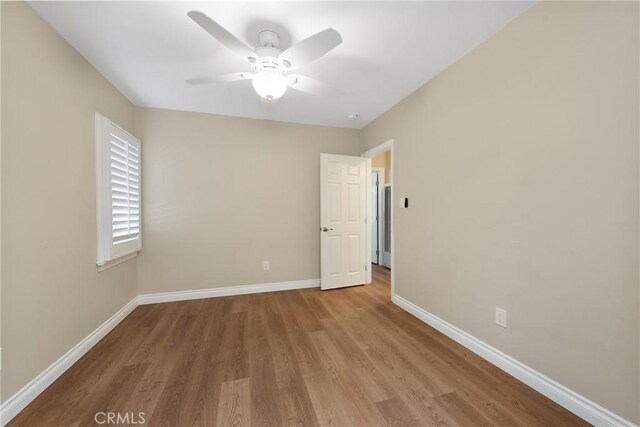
26	394
29	392
227	291
572	401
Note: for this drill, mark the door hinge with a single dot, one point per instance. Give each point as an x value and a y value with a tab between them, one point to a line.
377	252
365	268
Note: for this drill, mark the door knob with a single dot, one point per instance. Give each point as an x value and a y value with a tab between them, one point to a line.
325	229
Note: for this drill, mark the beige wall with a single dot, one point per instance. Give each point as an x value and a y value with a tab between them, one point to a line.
223	194
52	295
521	163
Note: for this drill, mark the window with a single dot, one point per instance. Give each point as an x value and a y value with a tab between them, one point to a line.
118	185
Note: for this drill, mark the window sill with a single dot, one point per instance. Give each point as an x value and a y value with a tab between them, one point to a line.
107	265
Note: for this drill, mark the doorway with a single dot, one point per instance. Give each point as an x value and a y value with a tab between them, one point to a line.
376	197
385	247
380	204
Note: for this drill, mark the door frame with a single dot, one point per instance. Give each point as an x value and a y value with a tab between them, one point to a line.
381	185
384	187
386	146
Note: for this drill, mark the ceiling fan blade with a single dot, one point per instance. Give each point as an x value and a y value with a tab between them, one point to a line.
311	48
312	86
230	41
233	77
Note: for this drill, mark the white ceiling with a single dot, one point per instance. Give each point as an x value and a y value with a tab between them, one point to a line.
148	49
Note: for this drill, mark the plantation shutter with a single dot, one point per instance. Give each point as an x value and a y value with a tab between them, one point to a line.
125	189
118	172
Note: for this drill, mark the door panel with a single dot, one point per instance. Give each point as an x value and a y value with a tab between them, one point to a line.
335	252
343	214
353	203
334	201
355	262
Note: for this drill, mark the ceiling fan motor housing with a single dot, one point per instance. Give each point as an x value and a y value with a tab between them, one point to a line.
269	59
269	53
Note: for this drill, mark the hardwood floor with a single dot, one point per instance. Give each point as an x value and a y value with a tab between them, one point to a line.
342	357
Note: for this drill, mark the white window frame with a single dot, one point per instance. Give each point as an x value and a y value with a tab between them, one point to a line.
110	253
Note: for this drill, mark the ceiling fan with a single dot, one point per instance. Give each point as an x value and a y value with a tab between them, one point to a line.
271	66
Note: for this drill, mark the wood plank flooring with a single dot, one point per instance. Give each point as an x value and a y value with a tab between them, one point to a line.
344	357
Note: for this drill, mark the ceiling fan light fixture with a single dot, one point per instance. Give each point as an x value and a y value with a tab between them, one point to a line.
269	84
270	64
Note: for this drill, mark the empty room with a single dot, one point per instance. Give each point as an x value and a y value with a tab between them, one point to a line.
360	213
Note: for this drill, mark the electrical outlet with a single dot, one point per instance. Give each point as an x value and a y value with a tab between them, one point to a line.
265	265
501	317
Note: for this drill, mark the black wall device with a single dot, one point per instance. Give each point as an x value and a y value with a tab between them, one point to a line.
406	202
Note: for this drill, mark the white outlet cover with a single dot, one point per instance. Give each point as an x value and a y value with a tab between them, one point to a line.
501	317
265	265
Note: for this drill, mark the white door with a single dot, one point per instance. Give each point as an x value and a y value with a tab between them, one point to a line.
343	220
